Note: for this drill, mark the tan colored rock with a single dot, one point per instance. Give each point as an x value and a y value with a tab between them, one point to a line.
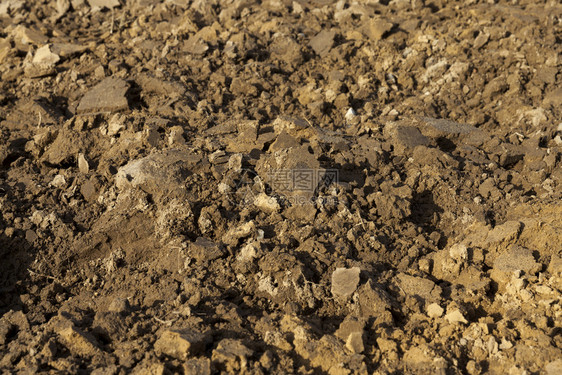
5	48
455	317
103	3
197	366
25	35
434	311
283	141
266	203
350	325
372	300
67	49
505	233
354	342
458	252
345	281
418	286
77	341
323	42
83	165
233	354
180	344
375	29
248	252
237	233
203	249
554	367
115	125
555	265
44	56
148	367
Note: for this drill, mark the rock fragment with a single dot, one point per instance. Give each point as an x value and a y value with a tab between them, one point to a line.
354	342
514	259
294	173
248	252
555	265
5	48
78	342
119	305
83	165
434	311
323	42
65	50
433	127
62	7
372	300
345	281
44	56
350	325
106	96
375	29
232	354
41	64
115	125
25	35
180	344
553	98
103	3
197	366
404	138
284	141
505	233
554	367
458	252
237	233
455	317
158	174
418	286
204	249
266	203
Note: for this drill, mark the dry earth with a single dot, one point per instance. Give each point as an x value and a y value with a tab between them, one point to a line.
274	186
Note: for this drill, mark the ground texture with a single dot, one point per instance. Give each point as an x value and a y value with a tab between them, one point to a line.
280	186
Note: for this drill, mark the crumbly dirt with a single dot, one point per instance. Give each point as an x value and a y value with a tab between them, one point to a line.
279	186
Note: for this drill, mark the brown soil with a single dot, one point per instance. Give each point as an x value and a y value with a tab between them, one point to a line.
281	186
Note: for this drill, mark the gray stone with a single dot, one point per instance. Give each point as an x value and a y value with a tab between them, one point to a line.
514	259
323	42
119	305
345	281
404	138
106	96
204	249
159	173
418	286
372	300
443	127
